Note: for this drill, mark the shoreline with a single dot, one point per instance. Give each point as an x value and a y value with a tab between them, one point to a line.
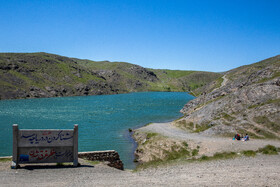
135	143
27	98
98	118
156	142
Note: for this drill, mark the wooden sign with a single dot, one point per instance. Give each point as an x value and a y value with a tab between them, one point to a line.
44	146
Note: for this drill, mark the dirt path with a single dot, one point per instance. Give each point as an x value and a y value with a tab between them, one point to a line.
224	81
244	171
208	144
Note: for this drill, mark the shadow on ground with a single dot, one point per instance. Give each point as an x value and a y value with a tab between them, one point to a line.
32	167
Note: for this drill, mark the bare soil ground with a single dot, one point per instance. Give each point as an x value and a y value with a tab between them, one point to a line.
244	171
209	145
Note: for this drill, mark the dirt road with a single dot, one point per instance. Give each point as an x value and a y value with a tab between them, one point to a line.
244	171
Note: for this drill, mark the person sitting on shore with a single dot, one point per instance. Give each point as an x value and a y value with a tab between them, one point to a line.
246	138
237	137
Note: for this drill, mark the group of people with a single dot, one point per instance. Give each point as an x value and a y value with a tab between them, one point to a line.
240	137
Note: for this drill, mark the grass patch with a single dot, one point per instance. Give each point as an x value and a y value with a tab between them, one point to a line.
270	101
95	162
218	82
151	134
249	153
276	74
184	125
218	156
195	152
204	158
24	78
269	150
177	73
5	159
225	155
202	127
170	157
149	137
173	155
186	144
227	117
7	84
266	122
262	134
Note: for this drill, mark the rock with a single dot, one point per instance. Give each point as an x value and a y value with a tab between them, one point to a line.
48	88
53	92
249	101
112	157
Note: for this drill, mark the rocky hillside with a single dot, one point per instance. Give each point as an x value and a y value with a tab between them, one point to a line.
244	100
33	75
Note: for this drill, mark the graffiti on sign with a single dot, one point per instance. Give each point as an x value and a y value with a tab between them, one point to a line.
41	154
49	153
47	137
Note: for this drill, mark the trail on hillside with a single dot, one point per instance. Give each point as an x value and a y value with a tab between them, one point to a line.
224	81
209	145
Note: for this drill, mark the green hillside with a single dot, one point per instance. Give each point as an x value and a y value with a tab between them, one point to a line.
31	75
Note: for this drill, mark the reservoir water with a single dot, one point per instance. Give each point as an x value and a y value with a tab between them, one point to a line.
103	120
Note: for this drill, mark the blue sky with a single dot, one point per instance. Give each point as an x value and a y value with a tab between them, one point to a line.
215	35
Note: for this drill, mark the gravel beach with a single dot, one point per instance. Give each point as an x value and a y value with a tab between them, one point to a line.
261	170
209	144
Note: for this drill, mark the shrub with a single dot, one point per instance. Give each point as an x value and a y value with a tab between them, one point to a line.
151	134
204	157
269	150
5	159
224	155
249	153
195	152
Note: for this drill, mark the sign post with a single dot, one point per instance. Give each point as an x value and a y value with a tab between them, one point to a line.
44	146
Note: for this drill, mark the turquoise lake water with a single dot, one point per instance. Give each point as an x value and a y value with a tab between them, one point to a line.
103	120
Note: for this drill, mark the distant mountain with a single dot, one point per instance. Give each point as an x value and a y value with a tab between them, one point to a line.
244	100
35	75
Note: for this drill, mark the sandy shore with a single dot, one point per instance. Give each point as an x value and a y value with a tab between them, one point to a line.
244	171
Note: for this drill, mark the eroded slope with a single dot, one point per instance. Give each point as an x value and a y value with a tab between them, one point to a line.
245	100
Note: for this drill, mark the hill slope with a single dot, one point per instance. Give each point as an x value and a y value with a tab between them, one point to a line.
244	100
32	75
